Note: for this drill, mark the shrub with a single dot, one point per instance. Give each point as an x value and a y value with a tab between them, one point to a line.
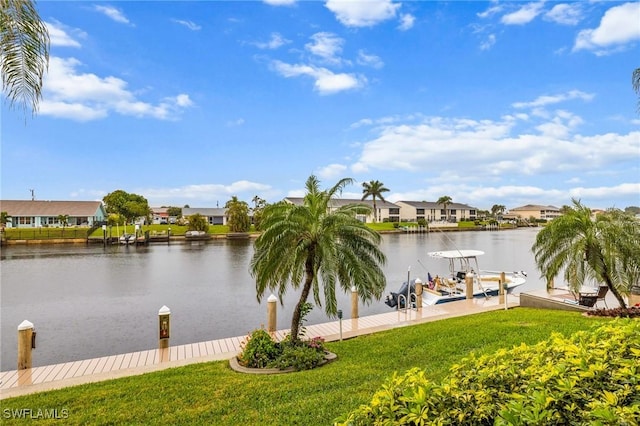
631	312
592	377
260	350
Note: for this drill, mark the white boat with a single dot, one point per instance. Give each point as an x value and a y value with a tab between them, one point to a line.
128	239
452	284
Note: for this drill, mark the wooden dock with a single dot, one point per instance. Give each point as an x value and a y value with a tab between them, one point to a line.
37	379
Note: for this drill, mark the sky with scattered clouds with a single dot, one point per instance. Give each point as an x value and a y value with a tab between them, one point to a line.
507	103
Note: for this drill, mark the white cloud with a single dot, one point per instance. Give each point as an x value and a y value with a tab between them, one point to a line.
112	13
460	150
362	13
59	37
618	26
491	11
369	60
488	42
326	81
331	171
554	99
327	46
276	41
189	24
236	123
406	22
83	97
524	15
566	14
280	2
243	189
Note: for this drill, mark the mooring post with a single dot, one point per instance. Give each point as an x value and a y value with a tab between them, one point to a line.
164	327
418	294
26	343
354	302
272	313
468	279
503	280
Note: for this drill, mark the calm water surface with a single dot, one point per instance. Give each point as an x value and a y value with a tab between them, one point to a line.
91	301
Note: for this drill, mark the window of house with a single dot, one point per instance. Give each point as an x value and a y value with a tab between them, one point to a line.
419	211
394	211
25	220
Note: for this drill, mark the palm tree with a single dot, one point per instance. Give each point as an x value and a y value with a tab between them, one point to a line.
237	215
24	48
374	189
445	201
605	249
497	209
314	247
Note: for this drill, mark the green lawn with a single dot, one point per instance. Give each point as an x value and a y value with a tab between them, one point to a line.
212	393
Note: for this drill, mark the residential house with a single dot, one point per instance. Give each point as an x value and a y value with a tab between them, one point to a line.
36	213
412	211
387	212
535	211
215	216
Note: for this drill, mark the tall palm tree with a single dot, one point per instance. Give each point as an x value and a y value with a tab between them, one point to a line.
374	189
445	201
312	247
605	249
24	52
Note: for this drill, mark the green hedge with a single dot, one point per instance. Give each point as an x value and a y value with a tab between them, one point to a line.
592	377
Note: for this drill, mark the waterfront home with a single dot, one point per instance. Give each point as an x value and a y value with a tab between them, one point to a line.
535	211
412	211
387	212
37	213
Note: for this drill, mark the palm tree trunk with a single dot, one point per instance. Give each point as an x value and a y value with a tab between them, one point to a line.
609	282
375	210
306	289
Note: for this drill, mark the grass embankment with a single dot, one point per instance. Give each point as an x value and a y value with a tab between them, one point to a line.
212	393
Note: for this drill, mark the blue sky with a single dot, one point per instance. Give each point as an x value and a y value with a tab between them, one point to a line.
489	103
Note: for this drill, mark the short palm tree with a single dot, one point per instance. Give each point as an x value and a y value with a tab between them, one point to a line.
374	189
237	215
604	249
313	247
445	201
24	52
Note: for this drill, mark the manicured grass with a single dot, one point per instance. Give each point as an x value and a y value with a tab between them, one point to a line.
212	393
45	233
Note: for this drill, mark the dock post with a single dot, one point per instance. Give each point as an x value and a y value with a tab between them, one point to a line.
164	325
26	343
354	302
469	285
503	280
272	314
418	294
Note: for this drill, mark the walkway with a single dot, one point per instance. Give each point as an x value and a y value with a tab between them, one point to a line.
14	383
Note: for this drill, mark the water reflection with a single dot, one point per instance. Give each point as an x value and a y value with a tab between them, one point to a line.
90	301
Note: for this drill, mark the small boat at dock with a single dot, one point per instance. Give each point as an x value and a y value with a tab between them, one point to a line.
464	273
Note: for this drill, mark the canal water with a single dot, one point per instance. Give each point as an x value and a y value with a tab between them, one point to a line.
89	301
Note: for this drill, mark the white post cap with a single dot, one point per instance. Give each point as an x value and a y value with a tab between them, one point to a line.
164	310
418	281
354	289
25	325
272	298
